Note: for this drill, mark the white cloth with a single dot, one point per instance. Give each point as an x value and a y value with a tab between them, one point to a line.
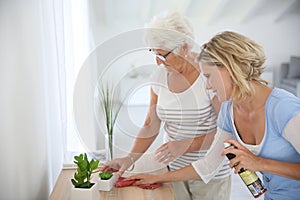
208	166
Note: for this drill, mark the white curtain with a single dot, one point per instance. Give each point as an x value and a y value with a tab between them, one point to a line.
79	44
32	100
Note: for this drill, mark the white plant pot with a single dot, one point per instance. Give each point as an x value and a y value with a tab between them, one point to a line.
85	193
107	185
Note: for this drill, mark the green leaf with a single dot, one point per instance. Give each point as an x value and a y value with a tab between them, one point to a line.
74	183
94	164
111	105
84	171
84	185
78	158
105	175
80	176
83	165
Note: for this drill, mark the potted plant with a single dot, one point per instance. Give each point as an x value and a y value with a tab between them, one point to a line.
111	105
107	180
83	187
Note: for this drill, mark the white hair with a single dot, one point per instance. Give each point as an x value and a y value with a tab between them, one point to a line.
168	31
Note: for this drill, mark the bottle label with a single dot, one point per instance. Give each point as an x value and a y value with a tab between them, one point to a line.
248	177
253	190
253	183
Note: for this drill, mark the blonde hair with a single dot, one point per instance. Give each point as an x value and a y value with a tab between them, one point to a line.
169	30
242	57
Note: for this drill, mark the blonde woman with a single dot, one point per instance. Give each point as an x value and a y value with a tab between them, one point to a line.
262	123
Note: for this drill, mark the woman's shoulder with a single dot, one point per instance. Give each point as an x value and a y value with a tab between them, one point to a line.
281	98
281	107
225	106
224	121
278	92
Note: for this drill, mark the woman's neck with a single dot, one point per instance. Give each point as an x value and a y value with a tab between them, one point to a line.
189	66
257	101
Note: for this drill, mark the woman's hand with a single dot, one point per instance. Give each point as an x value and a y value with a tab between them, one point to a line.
117	165
144	179
173	149
244	157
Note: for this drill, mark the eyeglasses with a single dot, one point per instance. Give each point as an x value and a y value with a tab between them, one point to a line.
163	57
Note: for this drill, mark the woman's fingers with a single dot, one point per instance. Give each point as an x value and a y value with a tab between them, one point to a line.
161	157
235	143
107	168
164	157
169	159
162	148
162	154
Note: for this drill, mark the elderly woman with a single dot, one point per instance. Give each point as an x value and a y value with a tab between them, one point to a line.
263	122
180	100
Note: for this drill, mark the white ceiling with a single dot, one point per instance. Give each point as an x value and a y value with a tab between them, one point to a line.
134	13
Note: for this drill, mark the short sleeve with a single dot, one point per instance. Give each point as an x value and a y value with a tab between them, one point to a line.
292	132
283	107
224	121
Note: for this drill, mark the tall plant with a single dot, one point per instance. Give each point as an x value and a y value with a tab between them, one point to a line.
111	105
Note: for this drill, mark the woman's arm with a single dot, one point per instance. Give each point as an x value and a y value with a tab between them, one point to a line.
183	174
173	149
247	160
292	132
285	169
149	131
205	168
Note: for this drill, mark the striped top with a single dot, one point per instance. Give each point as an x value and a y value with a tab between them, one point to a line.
187	114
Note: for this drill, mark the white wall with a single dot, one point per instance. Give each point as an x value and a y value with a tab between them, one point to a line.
279	39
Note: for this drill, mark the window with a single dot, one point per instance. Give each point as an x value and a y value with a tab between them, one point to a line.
132	68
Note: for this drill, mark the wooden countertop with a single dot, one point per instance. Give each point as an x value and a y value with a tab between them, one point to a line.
62	188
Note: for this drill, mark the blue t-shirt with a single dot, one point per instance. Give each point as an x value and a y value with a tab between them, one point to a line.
281	107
